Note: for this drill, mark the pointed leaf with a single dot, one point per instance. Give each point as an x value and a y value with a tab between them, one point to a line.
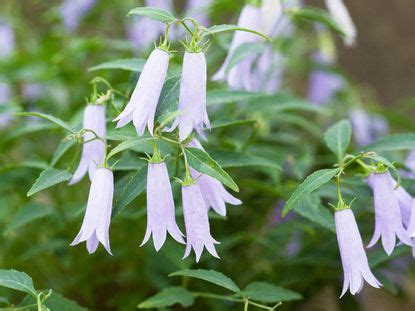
154	13
129	64
269	293
167	298
223	28
17	280
48	117
48	178
338	138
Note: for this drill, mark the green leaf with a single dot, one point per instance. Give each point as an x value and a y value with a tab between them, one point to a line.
129	64
18	281
338	138
27	214
60	151
269	293
48	117
203	163
312	182
238	159
224	28
243	51
167	298
135	185
56	302
230	123
27	128
128	144
393	142
169	98
211	276
48	178
154	13
220	97
316	15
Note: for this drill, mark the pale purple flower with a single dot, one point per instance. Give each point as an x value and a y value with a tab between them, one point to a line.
96	224
275	22
72	12
354	260
197	223
32	91
213	192
239	77
192	100
7	40
161	217
143	31
269	72
199	10
388	219
143	103
340	14
323	84
93	152
367	128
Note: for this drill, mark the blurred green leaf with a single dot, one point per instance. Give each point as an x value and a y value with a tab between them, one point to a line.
18	281
48	178
48	117
243	51
393	142
269	293
129	64
56	302
27	214
239	159
154	13
338	138
128	144
211	276
167	298
60	151
220	97
203	163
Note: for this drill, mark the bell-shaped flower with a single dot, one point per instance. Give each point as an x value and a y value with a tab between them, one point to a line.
213	192
268	74
388	219
323	83
93	151
240	75
142	106
72	11
340	14
354	260
7	40
192	100
161	217
96	224
196	222
143	31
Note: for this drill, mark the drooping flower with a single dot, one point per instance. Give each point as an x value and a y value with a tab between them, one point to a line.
367	128
197	223
388	218
323	83
72	12
96	224
160	207
199	10
143	103
274	20
239	77
354	260
7	40
213	192
93	151
192	100
143	31
340	14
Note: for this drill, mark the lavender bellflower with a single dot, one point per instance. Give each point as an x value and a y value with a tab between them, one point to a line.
192	100
96	224
7	40
388	219
72	11
213	192
340	14
93	152
197	223
143	103
160	207
354	260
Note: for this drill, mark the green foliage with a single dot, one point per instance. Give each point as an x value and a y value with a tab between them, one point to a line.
338	138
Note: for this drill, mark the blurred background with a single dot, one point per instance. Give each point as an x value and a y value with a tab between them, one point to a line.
48	70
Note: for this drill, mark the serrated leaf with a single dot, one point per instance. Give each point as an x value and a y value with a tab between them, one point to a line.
167	298
269	293
338	138
132	189
18	281
203	163
169	98
243	51
129	64
48	178
238	159
211	276
224	28
48	117
27	214
154	13
311	183
393	142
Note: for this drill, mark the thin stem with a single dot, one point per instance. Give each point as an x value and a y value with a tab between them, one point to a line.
214	296
186	164
246	305
39	302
